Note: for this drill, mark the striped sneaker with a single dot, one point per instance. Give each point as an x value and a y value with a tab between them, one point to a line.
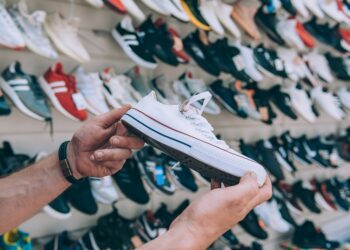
62	92
24	91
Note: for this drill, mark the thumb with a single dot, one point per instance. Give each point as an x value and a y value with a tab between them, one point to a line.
112	117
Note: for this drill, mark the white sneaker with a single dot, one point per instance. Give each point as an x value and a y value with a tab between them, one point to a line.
344	96
64	34
319	65
186	86
174	7
270	214
134	10
207	9
328	102
157	6
118	90
330	8
183	133
314	7
249	62
95	3
10	36
287	29
300	101
301	8
31	26
165	90
90	86
103	190
223	12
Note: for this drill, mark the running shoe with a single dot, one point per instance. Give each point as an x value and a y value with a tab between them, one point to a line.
175	8
165	90
283	155
133	43
282	101
64	34
61	89
148	226
181	175
159	6
151	120
223	12
344	95
319	66
58	208
314	7
340	66
24	91
191	8
252	224
208	11
62	242
305	192
251	67
116	5
134	10
11	162
139	82
31	26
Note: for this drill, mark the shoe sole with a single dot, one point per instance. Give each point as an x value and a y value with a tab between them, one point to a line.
323	203
55	102
133	56
55	214
191	151
17	101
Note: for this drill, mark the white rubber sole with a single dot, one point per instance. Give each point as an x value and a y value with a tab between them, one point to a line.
138	60
234	164
55	102
322	203
57	215
99	198
17	101
283	162
37	50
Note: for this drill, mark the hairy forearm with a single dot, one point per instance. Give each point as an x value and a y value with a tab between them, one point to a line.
24	193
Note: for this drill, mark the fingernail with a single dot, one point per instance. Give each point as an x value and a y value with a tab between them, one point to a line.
253	174
92	157
99	155
116	141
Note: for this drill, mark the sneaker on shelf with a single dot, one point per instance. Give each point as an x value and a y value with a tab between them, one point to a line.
304	191
148	226
158	41
133	43
103	190
283	191
270	214
340	66
323	197
175	8
91	87
297	148
64	34
314	7
167	217
223	12
243	14
138	81
288	6
229	239
4	106
248	150
95	3
246	102
339	195
63	242
301	8
134	10
287	28
11	162
311	147
328	102
16	239
152	167
61	89
186	86
253	225
331	9
10	35
208	12
165	90
283	155
249	62
319	65
181	176
178	46
191	8
24	91
151	120
116	5
284	211
344	95
80	197
117	89
31	26
58	208
158	6
282	101
129	181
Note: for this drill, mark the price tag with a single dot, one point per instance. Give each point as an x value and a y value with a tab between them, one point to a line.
79	101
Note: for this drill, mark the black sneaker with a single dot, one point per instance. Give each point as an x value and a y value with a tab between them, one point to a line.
148	226
284	191
166	217
80	196
289	7
158	41
58	208
283	155
130	182
193	7
225	95
282	101
133	43
327	34
229	239
63	242
181	175
24	91
305	192
340	197
4	107
197	46
284	210
152	166
267	22
268	158
296	147
248	150
339	66
251	225
11	162
312	150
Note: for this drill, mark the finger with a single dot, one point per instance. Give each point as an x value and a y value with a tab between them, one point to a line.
214	184
247	188
264	194
102	171
111	154
130	142
114	166
108	119
121	129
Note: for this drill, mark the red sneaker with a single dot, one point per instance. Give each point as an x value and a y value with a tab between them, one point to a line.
62	92
308	40
116	5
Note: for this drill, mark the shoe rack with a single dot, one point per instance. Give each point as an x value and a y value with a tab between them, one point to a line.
30	136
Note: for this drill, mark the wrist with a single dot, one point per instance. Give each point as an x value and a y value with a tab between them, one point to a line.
73	162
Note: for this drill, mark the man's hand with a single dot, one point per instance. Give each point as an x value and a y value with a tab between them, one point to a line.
207	218
101	146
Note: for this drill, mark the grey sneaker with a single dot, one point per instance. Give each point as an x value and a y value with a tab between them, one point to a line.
139	82
31	27
25	92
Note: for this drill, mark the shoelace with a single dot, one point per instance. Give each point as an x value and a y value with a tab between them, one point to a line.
194	115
